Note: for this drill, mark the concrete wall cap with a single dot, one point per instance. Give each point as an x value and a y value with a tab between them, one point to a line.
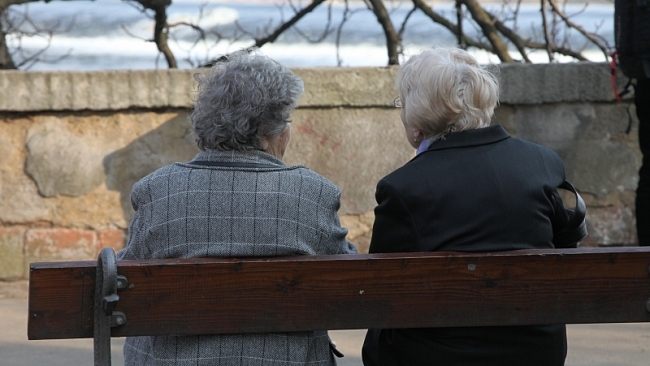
28	91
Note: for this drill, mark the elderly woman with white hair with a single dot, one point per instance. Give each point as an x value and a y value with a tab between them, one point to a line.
236	198
470	188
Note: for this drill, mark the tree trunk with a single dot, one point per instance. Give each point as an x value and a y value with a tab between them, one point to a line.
6	62
160	29
547	33
392	39
481	17
437	18
160	37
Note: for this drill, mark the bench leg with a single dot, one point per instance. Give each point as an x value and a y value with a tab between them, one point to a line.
105	299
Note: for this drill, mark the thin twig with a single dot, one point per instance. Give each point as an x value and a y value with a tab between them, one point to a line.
392	38
437	18
326	32
284	26
128	32
547	34
580	29
347	14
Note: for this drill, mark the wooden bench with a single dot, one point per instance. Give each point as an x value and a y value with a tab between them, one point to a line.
220	295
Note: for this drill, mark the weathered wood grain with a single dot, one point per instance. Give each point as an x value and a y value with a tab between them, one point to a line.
206	296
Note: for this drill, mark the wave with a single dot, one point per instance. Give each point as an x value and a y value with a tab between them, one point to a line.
107	34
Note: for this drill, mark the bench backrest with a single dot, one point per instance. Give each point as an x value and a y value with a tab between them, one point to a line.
209	296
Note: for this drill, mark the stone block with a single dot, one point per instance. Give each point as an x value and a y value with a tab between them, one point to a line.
591	141
158	87
139	88
18	93
602	167
81	91
38	84
611	225
118	89
64	87
20	201
363	86
554	126
554	83
181	86
6	149
99	90
60	245
111	238
354	148
6	90
12	255
62	163
168	143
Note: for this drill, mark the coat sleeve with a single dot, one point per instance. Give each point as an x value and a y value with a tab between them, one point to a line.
133	249
560	218
393	230
337	242
557	175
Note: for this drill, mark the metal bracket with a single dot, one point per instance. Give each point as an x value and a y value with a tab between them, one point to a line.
106	284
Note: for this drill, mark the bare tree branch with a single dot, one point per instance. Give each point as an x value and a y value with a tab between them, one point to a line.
6	61
4	4
161	28
189	25
547	33
392	38
20	25
128	32
491	26
326	32
283	27
347	14
513	37
402	28
209	39
590	36
437	18
483	19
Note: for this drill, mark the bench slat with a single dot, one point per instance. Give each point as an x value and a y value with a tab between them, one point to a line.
209	296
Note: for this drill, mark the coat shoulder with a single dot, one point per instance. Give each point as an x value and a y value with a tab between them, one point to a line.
314	179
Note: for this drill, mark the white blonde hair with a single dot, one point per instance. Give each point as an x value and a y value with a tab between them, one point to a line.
445	90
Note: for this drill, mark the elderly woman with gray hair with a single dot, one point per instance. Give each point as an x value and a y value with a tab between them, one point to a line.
471	188
236	198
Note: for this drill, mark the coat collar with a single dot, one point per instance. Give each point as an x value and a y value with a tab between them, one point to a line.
480	136
252	156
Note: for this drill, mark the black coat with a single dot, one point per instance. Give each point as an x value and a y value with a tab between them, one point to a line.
474	191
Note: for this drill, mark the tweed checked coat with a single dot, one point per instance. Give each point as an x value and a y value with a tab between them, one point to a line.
184	211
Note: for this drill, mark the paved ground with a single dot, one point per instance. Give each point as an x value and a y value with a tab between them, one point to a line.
592	345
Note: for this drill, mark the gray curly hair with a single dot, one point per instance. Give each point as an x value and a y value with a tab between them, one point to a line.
242	97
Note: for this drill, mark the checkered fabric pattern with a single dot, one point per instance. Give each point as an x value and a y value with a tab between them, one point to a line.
185	211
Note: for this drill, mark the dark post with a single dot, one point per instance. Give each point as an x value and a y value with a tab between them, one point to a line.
459	18
632	33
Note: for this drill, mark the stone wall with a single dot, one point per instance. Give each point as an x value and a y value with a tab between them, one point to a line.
73	143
